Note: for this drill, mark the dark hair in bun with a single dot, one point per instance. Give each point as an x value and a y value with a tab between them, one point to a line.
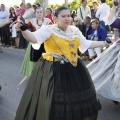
59	9
38	8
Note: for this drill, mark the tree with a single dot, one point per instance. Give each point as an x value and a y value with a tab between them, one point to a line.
72	5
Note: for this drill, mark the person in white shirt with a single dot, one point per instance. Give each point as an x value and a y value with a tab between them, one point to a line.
103	11
29	13
83	10
4	16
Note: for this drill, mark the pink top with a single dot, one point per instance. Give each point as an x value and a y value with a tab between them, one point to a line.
23	11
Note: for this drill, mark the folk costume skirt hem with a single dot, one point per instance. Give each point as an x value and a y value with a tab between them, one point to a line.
59	92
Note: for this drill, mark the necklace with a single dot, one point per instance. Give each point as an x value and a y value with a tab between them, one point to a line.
62	29
41	23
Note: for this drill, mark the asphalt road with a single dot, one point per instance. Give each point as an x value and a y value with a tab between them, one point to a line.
12	88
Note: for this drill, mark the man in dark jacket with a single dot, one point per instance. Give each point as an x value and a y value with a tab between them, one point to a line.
86	31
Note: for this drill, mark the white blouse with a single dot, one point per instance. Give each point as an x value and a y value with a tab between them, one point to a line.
46	21
107	21
45	32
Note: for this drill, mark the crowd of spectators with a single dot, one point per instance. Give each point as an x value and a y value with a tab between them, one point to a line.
88	20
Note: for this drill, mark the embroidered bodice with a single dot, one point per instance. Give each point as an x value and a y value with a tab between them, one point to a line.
59	42
63	47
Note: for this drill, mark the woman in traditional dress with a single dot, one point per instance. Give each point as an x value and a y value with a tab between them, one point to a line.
49	14
105	69
60	87
34	24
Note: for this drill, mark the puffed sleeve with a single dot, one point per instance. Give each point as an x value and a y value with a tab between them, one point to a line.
41	36
116	23
84	44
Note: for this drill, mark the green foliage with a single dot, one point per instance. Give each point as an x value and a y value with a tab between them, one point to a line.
37	1
54	6
76	3
16	5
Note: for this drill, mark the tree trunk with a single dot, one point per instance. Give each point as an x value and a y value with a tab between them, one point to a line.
44	4
66	3
23	1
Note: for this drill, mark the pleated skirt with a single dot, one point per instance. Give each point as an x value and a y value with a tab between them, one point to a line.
105	73
59	92
27	65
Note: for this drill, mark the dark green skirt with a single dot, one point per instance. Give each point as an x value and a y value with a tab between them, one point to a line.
59	92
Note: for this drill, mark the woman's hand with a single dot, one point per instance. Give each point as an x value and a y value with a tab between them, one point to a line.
9	21
18	26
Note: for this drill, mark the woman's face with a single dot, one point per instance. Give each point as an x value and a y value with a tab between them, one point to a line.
85	2
95	6
63	19
12	10
39	13
48	11
76	22
94	25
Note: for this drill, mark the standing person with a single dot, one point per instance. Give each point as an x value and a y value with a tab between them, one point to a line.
4	16
78	23
105	70
99	34
49	14
20	12
13	30
83	10
27	16
94	9
12	14
60	87
103	11
73	14
29	13
1	38
86	31
1	25
35	24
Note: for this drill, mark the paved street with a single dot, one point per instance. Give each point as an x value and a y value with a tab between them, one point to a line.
12	87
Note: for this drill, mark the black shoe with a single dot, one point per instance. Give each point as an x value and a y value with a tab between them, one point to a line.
116	102
0	87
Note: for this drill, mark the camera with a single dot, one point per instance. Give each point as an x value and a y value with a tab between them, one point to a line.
108	40
116	3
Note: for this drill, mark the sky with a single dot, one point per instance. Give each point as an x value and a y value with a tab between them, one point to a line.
12	2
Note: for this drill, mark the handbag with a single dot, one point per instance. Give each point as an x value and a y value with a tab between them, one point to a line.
36	54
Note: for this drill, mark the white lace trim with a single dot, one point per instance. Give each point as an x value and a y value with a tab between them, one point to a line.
61	34
34	22
107	21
